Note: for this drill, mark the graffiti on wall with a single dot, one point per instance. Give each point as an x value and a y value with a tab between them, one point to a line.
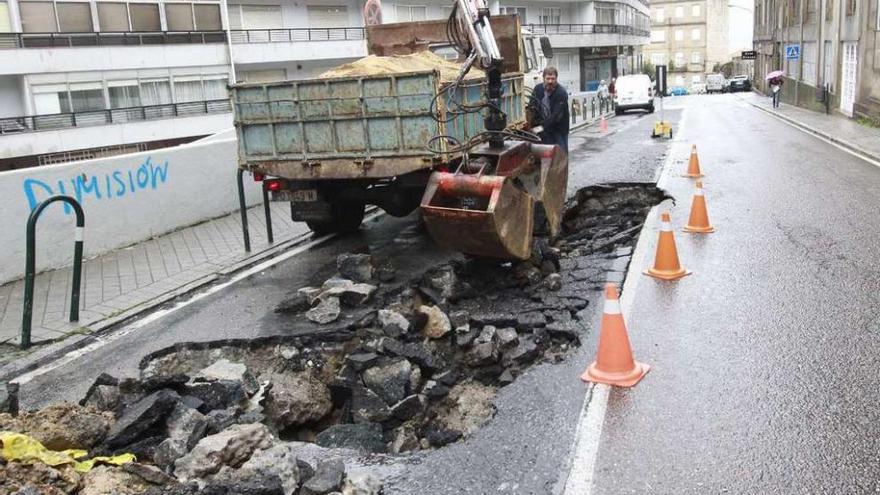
108	186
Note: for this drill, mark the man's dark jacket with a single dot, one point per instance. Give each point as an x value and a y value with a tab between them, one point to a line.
556	121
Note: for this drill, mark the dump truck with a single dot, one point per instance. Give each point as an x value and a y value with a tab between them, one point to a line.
404	140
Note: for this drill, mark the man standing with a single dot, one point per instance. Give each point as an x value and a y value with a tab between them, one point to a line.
552	102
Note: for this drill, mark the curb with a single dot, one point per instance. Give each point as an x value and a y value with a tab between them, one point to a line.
855	149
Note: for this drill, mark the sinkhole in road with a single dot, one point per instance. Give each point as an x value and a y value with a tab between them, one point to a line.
385	362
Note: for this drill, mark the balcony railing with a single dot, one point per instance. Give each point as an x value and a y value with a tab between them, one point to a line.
32	123
296	34
68	40
586	29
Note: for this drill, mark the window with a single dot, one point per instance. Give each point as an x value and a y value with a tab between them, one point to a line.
809	53
207	17
179	17
679	35
5	20
791	69
124	94
113	16
696	58
695	11
74	17
261	17
144	17
196	88
520	11
679	12
327	16
850	8
695	80
215	87
658	59
660	15
679	59
695	34
155	92
828	61
551	15
563	62
658	36
606	13
810	14
830	8
37	17
407	13
47	98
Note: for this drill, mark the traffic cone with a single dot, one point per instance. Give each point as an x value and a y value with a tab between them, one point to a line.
614	364
694	164
666	265
603	124
698	223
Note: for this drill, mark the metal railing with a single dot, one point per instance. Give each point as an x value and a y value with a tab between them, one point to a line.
32	123
586	29
296	34
70	40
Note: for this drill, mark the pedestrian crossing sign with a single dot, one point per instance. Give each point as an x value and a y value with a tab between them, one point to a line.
792	52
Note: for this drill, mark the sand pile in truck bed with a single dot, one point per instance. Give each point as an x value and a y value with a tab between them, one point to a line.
374	65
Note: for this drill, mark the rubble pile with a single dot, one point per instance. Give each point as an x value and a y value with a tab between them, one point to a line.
379	366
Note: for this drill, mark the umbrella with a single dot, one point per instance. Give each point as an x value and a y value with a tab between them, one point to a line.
774	74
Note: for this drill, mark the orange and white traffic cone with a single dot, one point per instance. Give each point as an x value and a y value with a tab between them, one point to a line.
693	170
698	222
614	364
603	124
666	265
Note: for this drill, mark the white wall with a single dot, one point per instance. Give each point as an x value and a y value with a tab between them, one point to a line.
75	138
126	199
254	53
10	97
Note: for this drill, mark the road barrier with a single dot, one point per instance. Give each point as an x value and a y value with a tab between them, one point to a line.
585	110
666	264
614	364
30	264
242	207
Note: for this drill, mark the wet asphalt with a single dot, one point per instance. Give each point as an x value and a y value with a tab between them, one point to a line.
765	361
524	449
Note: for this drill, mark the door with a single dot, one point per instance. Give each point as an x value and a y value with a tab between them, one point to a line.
849	73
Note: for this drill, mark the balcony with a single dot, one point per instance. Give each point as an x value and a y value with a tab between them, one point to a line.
119	126
254	46
72	40
581	35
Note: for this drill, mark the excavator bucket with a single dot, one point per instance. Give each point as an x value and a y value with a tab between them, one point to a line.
490	211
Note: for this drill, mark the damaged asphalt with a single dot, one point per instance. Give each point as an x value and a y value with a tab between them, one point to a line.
522	449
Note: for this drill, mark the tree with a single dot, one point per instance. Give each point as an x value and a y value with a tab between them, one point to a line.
649	69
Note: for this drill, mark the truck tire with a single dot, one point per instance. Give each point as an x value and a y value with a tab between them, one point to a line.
347	218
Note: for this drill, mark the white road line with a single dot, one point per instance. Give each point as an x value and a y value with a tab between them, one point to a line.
589	428
156	315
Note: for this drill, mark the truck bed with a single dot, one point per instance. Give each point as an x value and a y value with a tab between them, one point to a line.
352	127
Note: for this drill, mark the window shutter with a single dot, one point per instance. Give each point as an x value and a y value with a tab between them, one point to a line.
179	16
208	17
37	17
112	16
74	17
145	17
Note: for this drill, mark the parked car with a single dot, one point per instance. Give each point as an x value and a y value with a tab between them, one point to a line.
697	88
715	83
678	91
740	83
634	91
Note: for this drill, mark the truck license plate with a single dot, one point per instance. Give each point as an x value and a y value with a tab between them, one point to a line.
304	195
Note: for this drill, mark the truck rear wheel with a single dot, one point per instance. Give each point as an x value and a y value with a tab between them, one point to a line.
347	218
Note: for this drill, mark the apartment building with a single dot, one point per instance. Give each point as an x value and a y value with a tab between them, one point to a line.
689	37
838	48
86	78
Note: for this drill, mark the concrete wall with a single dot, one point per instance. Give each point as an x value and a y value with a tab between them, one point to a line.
126	199
49	60
256	53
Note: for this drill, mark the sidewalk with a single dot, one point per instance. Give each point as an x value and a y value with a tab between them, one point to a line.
840	130
121	283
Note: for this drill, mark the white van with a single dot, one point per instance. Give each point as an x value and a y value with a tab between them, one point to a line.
715	83
634	91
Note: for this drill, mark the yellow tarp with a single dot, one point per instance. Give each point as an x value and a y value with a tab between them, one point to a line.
24	449
374	65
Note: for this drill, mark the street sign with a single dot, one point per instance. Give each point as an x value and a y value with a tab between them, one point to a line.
749	55
660	79
792	52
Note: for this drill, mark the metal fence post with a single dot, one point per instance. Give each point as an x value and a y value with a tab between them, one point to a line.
268	212
30	264
242	206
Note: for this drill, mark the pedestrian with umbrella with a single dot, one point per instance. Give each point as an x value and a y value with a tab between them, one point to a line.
775	80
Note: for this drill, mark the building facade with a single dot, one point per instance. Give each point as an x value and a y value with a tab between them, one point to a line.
81	79
837	67
690	37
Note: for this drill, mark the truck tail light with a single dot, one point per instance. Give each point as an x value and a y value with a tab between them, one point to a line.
258	177
274	185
